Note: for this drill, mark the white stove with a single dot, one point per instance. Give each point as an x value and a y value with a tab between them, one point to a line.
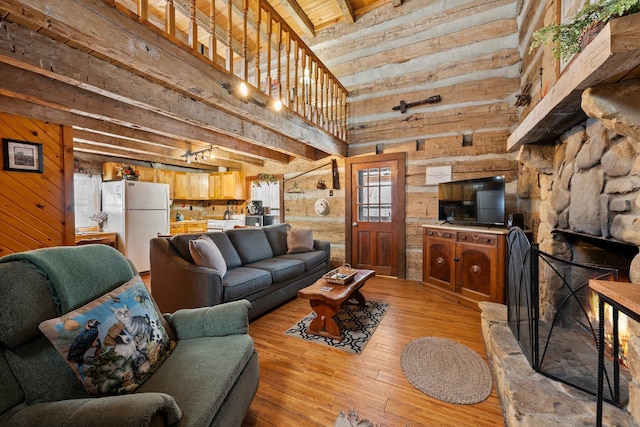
222	224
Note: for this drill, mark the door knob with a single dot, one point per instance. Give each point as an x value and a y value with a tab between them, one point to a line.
354	224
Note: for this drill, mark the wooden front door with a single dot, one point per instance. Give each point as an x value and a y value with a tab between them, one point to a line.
375	219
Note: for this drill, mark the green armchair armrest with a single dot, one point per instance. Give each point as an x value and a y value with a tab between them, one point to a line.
220	320
131	410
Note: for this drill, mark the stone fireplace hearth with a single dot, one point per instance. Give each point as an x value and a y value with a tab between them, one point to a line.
586	185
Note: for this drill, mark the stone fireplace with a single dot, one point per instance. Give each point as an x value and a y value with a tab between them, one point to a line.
584	192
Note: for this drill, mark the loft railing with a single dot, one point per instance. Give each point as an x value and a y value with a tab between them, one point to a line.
249	40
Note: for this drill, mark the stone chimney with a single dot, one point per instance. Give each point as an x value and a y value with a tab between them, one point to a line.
588	183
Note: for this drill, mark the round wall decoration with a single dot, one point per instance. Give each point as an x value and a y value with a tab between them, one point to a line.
322	207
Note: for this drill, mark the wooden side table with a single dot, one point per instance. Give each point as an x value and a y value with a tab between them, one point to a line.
100	238
624	297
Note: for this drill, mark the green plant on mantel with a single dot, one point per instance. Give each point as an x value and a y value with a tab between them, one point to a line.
568	38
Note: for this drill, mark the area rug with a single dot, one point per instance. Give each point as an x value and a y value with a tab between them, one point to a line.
446	370
357	324
352	419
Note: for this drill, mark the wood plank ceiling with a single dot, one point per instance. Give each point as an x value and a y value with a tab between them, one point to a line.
130	94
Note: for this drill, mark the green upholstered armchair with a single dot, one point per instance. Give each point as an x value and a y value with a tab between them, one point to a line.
209	377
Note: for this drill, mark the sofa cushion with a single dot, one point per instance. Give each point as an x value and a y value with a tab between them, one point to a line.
241	282
277	237
205	253
299	240
180	243
280	268
115	342
229	253
200	374
251	243
310	259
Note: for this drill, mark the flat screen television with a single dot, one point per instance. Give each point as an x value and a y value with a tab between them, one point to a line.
472	201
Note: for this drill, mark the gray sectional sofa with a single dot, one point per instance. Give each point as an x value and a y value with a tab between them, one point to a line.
259	269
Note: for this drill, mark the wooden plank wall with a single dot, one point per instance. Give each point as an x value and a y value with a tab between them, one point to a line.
539	67
300	195
466	51
37	208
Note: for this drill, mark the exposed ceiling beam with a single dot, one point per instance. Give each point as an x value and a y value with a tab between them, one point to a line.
298	15
101	141
180	145
347	10
40	90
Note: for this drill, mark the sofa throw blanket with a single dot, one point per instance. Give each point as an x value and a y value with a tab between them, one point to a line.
77	274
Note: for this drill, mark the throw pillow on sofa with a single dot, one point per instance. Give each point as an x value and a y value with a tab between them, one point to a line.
114	343
205	253
299	240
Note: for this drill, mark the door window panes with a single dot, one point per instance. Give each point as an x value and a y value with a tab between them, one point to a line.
374	195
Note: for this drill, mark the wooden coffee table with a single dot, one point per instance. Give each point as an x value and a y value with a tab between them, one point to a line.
327	298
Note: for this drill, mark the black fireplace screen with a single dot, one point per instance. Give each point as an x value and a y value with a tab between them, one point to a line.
556	324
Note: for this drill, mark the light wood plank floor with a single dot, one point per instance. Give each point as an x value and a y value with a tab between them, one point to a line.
306	384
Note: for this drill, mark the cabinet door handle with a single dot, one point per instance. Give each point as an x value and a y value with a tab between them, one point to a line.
456	259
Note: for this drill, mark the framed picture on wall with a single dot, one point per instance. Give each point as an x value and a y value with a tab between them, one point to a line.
21	156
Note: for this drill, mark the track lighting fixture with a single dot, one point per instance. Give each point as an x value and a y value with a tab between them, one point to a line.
202	155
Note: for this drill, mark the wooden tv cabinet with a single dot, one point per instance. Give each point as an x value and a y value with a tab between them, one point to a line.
465	264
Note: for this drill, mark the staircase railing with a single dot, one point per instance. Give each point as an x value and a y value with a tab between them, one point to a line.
248	39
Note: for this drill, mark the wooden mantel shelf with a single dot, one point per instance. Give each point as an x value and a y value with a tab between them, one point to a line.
612	56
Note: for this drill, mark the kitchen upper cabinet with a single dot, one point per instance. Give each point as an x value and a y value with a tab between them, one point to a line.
164	176
180	186
226	185
215	185
198	186
110	171
146	174
232	185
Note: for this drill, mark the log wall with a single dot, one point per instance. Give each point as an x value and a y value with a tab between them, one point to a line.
465	51
37	208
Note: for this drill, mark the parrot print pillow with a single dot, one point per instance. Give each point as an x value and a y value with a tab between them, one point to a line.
113	343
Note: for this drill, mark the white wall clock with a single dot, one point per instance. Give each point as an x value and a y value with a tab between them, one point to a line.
322	207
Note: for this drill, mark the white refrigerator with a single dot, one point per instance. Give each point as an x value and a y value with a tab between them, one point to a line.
137	212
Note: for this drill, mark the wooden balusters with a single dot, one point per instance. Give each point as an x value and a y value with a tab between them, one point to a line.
170	19
245	36
296	82
267	78
279	63
258	24
143	10
213	41
193	26
314	116
230	36
288	73
299	79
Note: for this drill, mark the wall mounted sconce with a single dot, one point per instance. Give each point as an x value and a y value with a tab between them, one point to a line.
241	91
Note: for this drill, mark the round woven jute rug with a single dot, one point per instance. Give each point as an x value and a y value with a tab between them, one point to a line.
446	370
